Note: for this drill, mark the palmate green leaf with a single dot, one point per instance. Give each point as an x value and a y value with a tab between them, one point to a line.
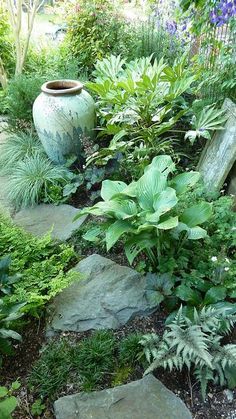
115	231
111	188
184	181
150	184
197	214
137	244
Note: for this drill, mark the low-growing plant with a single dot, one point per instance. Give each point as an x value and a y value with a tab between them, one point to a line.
195	343
43	265
8	402
129	350
147	214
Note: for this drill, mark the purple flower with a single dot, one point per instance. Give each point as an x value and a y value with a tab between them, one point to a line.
171	27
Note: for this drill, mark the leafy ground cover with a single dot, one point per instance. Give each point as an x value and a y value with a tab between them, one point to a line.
147	207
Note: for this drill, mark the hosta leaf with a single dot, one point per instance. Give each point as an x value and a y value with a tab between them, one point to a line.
162	163
165	200
111	188
150	184
92	235
197	214
8	333
172	222
214	294
115	231
196	233
118	208
184	181
137	244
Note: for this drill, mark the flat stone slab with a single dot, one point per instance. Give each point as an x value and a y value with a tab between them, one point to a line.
5	205
147	398
43	218
107	298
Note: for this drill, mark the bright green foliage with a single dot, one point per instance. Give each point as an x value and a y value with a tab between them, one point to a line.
42	264
146	214
86	38
5	40
139	102
8	402
37	407
195	343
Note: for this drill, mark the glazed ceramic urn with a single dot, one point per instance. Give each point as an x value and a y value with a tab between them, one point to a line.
63	113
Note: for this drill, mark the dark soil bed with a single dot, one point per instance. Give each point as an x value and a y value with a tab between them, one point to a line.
220	403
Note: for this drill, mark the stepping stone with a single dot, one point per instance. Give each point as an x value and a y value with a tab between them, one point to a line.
107	298
147	398
41	219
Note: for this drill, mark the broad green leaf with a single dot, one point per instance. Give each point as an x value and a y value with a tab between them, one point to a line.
184	181
214	294
188	294
150	184
117	208
115	231
9	334
3	391
165	200
197	214
163	163
196	233
111	188
172	222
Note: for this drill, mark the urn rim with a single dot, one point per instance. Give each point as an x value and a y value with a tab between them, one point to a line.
62	87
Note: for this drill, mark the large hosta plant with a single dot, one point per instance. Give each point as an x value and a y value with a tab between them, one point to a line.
149	215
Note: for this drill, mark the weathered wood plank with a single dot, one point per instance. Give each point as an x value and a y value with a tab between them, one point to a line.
219	153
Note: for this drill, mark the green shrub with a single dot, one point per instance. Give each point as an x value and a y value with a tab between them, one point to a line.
6	41
86	38
147	214
142	105
196	343
42	264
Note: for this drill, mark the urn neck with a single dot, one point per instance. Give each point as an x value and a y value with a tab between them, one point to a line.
62	87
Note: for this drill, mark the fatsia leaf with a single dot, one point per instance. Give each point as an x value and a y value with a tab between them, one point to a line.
115	231
111	188
184	181
150	184
197	214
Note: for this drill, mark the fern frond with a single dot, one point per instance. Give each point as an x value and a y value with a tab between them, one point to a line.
203	376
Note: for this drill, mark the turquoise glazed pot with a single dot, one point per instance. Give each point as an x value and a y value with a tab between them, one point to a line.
63	113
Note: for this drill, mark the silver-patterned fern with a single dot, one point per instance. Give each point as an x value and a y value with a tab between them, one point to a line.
195	343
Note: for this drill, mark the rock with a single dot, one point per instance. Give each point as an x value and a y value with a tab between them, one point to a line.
219	154
147	398
42	218
108	297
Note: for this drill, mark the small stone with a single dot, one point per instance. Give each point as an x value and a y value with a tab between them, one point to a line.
41	219
147	398
229	395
